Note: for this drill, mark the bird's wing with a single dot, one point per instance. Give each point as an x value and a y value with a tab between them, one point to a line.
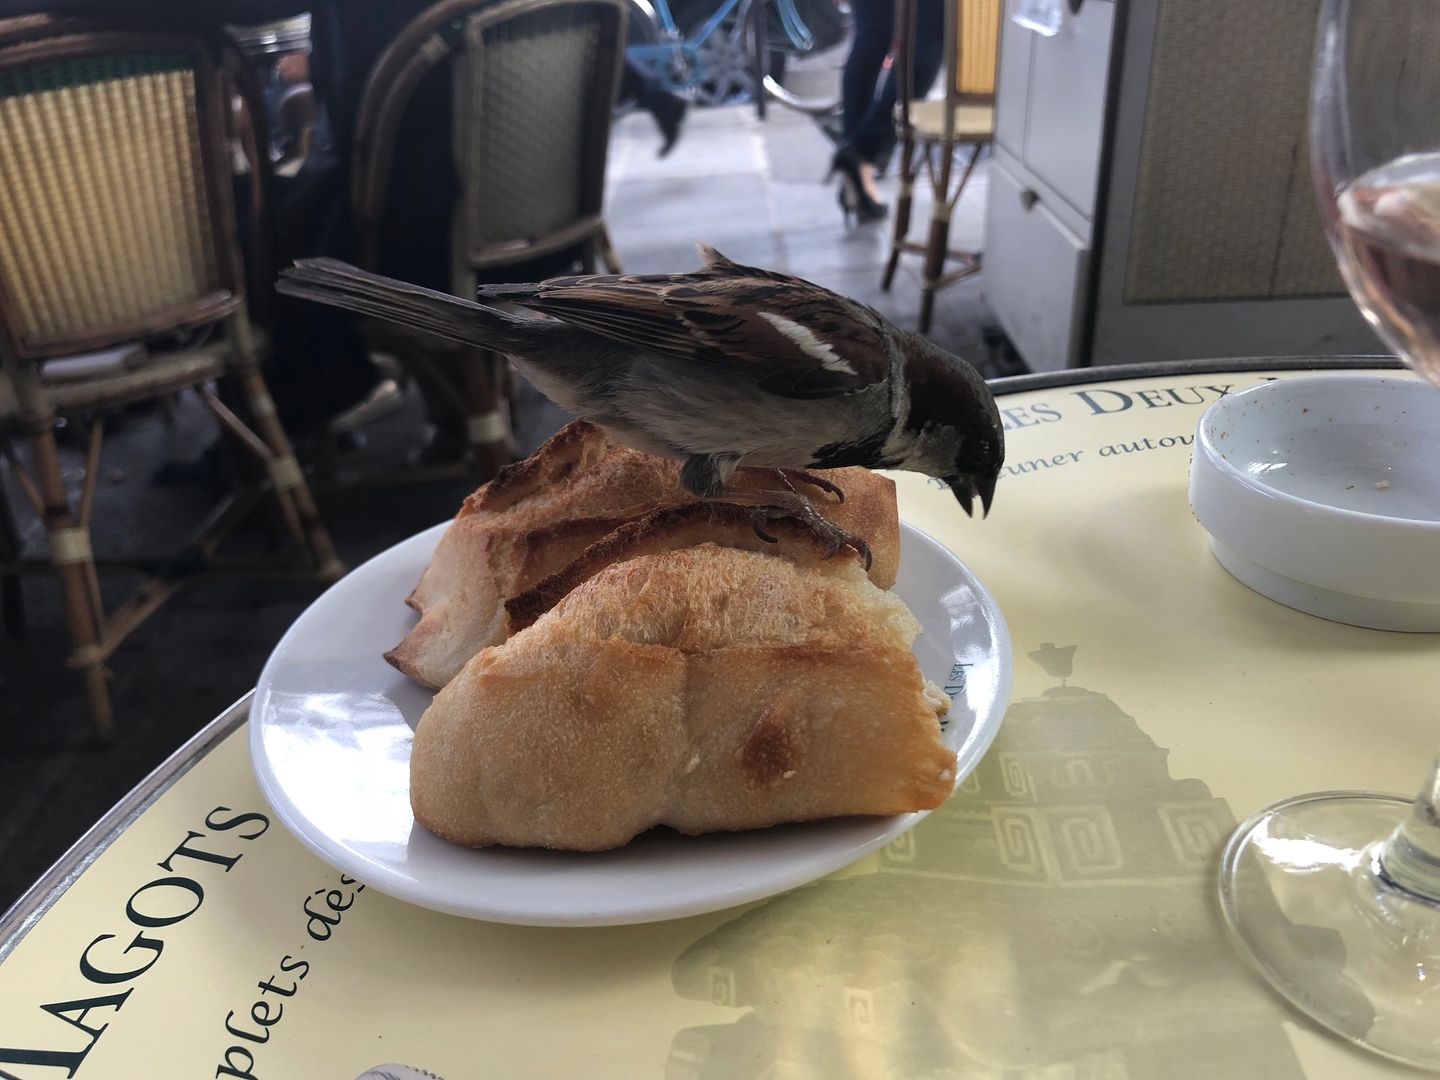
794	339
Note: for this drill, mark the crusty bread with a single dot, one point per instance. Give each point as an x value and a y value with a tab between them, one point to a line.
707	688
540	514
667	529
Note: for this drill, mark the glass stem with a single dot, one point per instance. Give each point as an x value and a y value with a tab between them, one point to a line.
1410	858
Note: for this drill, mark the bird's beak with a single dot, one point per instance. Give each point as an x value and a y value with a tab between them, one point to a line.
985	485
966	488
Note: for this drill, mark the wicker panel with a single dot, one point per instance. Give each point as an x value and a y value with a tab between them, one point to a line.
1225	208
523	92
103	216
978	51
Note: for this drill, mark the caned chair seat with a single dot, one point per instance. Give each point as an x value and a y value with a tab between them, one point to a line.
973	123
972	40
149	379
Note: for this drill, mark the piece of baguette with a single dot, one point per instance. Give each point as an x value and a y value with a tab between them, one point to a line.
540	514
668	529
707	688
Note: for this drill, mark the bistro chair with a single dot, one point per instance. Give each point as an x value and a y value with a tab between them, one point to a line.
534	84
116	227
931	133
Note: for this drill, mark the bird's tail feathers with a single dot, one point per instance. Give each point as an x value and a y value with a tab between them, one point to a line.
514	293
330	281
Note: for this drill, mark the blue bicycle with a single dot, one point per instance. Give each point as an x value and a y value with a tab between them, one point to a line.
705	51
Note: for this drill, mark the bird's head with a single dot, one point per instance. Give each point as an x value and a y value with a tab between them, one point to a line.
952	427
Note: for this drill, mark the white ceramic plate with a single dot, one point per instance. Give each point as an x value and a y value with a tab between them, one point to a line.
330	732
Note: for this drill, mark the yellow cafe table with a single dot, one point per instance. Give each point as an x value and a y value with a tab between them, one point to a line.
1056	920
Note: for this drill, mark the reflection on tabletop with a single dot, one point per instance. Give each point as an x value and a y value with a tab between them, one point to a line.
1054	919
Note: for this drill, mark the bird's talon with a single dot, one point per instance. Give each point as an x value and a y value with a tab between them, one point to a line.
788	478
827	486
758	524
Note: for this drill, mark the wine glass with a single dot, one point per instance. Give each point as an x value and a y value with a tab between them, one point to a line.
1357	869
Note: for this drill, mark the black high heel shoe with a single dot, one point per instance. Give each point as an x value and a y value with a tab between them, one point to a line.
867	211
852	195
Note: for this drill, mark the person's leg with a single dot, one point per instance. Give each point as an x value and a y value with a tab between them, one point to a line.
668	109
929	44
632	82
874	22
875	135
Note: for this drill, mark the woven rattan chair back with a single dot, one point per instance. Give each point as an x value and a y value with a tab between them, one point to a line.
114	202
534	85
975	50
535	91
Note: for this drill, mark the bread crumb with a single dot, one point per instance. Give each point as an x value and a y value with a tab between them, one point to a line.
787	774
693	765
936	698
1382	485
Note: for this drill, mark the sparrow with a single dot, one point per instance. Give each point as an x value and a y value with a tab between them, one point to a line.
726	367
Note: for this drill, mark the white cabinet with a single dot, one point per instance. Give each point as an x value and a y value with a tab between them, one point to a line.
1039	269
1049	121
1066	102
1149	194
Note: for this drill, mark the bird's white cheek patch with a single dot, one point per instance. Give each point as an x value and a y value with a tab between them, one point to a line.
809	343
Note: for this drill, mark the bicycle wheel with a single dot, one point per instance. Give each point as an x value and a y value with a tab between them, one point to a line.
720	61
808	41
646	50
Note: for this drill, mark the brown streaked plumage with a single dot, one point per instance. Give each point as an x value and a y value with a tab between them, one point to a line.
724	367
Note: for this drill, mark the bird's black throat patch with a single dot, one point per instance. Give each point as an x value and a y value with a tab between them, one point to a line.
866	452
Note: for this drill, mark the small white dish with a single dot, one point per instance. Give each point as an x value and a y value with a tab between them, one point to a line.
331	727
1323	493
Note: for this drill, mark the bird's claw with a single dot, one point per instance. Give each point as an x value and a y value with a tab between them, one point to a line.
799	509
827	486
788	478
860	546
836	539
757	522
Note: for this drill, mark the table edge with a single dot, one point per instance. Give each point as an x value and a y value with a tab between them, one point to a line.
1046	380
36	901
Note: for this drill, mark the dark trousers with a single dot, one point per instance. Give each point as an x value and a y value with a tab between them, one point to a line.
868	117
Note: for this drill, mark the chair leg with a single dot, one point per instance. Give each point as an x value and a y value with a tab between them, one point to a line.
935	251
937	248
75	567
488	418
606	250
290	486
904	201
12	600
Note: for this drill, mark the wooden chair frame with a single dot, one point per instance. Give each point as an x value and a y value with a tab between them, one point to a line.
937	153
483	392
96	634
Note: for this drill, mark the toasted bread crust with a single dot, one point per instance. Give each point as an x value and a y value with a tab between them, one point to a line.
667	529
706	688
537	516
